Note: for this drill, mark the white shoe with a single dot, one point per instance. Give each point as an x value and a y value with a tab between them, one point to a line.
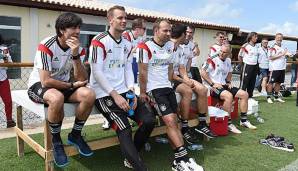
127	164
264	93
279	100
247	124
232	128
192	165
269	100
181	166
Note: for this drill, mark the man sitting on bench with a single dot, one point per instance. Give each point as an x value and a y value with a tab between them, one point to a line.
113	81
49	83
217	72
185	86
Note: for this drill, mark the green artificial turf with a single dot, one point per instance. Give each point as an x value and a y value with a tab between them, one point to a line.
233	152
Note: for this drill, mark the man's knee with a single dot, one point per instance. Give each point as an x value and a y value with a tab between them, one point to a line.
227	97
54	97
170	120
242	94
201	89
87	94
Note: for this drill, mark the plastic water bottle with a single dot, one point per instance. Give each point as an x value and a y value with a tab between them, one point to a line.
194	147
130	96
147	147
161	140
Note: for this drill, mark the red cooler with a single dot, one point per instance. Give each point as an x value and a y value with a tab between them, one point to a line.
218	121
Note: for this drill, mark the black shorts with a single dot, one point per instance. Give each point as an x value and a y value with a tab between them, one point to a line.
176	83
36	93
195	74
164	100
277	76
118	118
217	93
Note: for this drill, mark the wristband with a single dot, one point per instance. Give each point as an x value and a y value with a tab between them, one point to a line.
212	84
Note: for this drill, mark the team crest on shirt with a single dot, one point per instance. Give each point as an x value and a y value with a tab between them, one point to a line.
109	102
163	107
110	51
169	51
125	49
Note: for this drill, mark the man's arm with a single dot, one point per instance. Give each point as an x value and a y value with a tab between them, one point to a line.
80	73
274	56
129	77
47	81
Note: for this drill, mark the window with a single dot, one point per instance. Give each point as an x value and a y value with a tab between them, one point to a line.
88	31
10	36
149	33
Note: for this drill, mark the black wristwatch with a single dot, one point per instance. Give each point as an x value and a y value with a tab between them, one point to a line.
75	57
71	86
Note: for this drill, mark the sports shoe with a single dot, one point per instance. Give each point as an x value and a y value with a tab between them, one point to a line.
10	124
269	100
127	164
264	93
247	124
205	131
232	128
180	166
278	143
279	100
192	165
190	137
80	144
60	158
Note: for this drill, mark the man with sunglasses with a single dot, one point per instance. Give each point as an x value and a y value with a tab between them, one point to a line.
217	73
135	36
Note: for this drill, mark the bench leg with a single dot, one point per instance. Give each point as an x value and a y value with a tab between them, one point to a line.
20	141
49	166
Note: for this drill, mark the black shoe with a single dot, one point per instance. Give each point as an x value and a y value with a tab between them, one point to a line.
190	136
80	144
202	129
60	158
10	124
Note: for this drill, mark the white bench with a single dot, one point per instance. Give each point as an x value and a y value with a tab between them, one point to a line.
21	99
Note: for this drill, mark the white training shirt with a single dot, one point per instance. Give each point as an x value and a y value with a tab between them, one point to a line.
249	54
218	69
4	52
135	41
188	53
263	57
280	63
158	59
178	59
50	56
214	50
110	61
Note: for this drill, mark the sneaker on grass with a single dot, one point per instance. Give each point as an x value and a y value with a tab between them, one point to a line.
205	131
234	129
247	124
80	144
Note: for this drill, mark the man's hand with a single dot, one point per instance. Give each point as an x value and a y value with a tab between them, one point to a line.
189	83
217	86
74	44
120	101
78	84
144	97
229	85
